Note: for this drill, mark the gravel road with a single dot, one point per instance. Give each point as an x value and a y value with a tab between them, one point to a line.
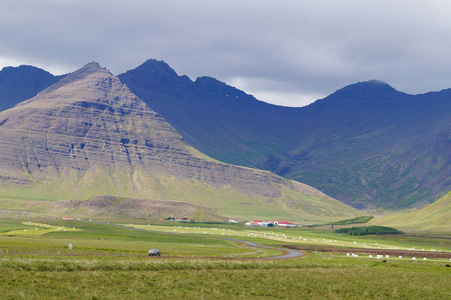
291	253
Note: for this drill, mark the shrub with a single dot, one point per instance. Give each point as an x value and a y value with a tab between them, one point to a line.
367	230
361	219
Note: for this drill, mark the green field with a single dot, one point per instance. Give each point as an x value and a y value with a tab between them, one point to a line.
303	236
314	277
110	262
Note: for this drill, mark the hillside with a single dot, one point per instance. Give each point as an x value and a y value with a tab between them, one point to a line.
367	144
88	135
123	207
433	218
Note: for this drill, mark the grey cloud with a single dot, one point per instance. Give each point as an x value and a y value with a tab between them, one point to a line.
290	48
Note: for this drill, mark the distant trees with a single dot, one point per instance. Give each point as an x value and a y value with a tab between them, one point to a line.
361	219
368	230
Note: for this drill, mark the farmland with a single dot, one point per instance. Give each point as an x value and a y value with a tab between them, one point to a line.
110	262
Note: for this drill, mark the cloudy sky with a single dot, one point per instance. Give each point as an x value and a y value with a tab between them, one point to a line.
287	52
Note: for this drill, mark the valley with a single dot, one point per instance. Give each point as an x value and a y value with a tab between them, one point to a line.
95	170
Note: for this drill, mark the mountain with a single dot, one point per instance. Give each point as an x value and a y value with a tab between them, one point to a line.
21	83
215	118
88	135
380	149
367	144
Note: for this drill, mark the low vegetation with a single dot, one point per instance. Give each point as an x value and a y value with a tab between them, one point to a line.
369	230
109	262
318	276
362	219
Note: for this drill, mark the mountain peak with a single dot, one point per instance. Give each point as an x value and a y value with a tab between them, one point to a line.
157	75
367	90
158	66
89	68
92	66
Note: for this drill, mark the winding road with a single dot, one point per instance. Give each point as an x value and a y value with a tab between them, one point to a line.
291	253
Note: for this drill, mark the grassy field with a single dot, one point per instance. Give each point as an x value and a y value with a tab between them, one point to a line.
110	262
304	236
92	238
317	276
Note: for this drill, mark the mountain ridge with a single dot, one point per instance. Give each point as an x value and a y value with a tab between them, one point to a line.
341	144
88	135
386	149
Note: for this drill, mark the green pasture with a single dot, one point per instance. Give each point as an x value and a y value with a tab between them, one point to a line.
110	262
91	238
304	236
33	229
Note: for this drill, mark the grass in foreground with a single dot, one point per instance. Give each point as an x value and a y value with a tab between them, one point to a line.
314	277
93	275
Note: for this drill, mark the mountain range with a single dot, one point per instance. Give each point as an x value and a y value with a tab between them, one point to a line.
366	145
88	135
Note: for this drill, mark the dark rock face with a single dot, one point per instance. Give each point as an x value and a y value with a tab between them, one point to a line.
91	120
22	83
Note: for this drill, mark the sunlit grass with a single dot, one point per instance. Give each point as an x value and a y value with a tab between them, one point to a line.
32	228
304	236
110	262
317	276
90	238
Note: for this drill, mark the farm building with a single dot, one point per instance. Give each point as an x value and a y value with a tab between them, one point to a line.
284	223
259	223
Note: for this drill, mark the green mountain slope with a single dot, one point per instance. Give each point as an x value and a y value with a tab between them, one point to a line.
432	218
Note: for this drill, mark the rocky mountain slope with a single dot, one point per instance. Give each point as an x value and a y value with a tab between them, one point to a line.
88	135
367	144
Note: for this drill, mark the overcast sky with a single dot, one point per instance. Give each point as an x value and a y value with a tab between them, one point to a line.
287	52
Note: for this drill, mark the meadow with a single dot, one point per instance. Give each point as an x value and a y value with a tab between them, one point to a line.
110	262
